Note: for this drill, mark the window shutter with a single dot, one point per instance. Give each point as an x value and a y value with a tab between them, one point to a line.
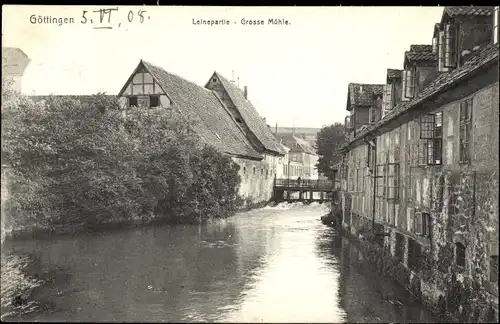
495	26
418	223
403	88
450	57
441	67
389	96
434	45
384	97
409	84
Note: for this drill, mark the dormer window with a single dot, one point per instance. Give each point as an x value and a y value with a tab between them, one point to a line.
387	97
408	84
495	26
450	46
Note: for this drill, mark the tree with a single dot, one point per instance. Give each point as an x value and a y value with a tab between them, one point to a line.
329	139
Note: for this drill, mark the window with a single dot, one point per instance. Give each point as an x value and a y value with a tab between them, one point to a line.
493	256
261	171
154	101
380	180
495	26
408	83
427	123
414	251
393	181
441	51
465	130
357	181
450	46
460	254
494	268
397	153
400	247
214	79
253	170
348	124
422	224
371	115
244	170
431	131
132	101
387	97
143	101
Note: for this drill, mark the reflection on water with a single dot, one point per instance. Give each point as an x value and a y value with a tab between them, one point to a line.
273	265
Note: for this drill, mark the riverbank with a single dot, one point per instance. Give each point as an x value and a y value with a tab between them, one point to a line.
115	224
388	266
18	283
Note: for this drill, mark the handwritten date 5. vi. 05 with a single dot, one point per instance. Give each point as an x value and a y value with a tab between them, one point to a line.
112	17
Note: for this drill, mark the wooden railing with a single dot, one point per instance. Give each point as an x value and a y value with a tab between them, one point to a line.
306	183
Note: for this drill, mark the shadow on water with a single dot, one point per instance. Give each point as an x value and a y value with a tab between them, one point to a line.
365	294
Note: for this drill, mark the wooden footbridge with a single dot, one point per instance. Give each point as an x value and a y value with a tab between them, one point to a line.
284	189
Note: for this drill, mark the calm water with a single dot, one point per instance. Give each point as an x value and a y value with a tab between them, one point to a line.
274	265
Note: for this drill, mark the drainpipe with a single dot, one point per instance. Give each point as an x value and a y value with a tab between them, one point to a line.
374	151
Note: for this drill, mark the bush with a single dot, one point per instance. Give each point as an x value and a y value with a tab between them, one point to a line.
71	161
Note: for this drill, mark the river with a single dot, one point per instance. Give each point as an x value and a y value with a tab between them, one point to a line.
276	264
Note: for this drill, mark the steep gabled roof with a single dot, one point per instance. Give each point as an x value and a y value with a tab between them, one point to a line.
297	144
420	48
485	56
420	56
420	53
251	117
393	74
214	123
362	94
453	11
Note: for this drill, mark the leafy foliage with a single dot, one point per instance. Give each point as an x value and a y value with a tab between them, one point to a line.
328	140
71	161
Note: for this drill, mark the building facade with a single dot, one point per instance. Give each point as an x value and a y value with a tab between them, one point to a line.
302	157
221	115
282	167
421	176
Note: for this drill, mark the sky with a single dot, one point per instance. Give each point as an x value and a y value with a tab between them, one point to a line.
296	74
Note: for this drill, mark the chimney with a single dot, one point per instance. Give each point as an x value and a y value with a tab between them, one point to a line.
245	92
276	127
361	88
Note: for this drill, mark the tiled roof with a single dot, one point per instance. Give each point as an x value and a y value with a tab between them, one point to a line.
296	144
393	74
251	117
468	11
483	56
14	61
214	125
362	94
421	56
420	48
